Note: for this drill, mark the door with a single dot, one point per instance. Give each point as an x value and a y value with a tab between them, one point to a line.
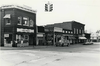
31	40
8	40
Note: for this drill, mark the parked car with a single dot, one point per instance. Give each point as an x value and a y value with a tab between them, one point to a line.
88	43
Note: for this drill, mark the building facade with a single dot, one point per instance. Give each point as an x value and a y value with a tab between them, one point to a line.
54	34
17	24
40	35
76	30
88	36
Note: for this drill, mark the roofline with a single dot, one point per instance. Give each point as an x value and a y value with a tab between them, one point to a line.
18	7
73	22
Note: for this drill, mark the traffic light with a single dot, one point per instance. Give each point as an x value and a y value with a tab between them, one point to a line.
51	7
46	7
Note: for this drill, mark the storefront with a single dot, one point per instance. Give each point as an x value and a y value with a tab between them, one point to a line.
69	38
7	39
82	38
18	25
40	39
57	34
24	36
49	38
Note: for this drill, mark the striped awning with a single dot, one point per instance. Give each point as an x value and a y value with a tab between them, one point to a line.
7	16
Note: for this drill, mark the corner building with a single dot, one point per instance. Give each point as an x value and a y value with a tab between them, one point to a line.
17	24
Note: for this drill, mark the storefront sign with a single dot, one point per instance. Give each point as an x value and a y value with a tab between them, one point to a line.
32	31
39	35
25	30
6	35
57	29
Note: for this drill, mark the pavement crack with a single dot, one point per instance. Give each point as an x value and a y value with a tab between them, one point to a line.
20	63
57	59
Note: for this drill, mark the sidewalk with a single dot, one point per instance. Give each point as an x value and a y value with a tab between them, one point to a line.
40	47
24	48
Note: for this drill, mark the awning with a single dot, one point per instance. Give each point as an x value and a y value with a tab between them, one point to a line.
82	37
7	16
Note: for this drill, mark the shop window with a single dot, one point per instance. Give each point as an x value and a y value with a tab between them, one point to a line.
8	21
25	21
19	21
26	37
31	23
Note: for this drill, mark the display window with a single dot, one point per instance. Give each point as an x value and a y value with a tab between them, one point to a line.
24	38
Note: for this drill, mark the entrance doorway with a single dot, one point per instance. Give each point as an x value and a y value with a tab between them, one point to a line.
8	40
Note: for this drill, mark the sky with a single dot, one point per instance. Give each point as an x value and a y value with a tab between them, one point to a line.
83	11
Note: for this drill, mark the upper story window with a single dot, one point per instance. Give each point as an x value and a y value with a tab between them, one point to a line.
19	21
25	21
8	21
74	31
7	18
77	31
80	31
31	23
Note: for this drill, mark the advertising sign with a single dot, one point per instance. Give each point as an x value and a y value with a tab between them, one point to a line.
57	29
25	30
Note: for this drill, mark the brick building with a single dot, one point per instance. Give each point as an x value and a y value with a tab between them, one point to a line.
54	34
76	28
17	23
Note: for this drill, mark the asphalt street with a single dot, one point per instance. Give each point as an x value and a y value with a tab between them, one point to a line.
74	55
